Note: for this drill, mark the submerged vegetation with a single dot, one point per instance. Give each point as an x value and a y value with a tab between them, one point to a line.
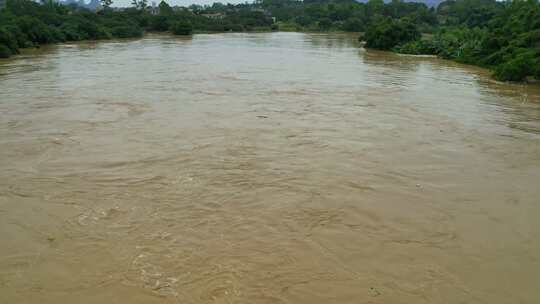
503	36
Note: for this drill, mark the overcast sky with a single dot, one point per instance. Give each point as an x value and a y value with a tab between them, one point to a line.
178	2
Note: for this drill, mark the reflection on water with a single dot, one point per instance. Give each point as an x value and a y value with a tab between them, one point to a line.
264	168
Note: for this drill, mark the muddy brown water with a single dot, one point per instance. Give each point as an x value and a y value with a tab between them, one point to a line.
264	168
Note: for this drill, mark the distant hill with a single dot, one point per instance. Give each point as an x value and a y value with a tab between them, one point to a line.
428	3
96	4
92	5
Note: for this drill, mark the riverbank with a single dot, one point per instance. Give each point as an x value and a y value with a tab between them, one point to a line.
521	70
532	80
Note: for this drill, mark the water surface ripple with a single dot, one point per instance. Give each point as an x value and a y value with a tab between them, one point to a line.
264	168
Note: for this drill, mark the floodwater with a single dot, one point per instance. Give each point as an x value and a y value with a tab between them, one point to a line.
264	168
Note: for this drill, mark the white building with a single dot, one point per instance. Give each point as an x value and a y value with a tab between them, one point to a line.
154	9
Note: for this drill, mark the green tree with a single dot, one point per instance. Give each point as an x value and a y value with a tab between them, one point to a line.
165	9
388	33
106	3
140	4
325	24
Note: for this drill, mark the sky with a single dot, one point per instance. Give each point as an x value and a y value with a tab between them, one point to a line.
180	2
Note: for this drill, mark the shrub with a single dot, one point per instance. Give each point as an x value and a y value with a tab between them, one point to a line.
417	47
35	29
71	32
325	24
126	31
182	28
9	40
234	27
20	37
159	23
303	20
518	68
353	25
5	52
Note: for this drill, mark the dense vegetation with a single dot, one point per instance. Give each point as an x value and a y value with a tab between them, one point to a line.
25	23
386	33
504	36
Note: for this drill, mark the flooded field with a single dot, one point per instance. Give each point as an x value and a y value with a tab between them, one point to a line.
264	168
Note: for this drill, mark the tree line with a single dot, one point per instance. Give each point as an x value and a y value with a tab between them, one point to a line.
26	23
501	35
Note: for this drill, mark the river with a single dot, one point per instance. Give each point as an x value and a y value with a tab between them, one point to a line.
264	168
